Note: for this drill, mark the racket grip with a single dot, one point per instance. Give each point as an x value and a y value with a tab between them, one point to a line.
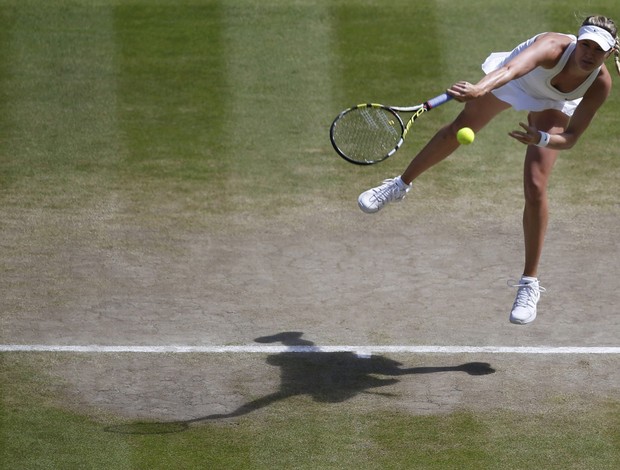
437	101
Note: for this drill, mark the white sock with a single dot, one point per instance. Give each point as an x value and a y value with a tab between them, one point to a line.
401	184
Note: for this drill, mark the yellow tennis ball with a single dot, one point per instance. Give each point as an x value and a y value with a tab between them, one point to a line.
465	136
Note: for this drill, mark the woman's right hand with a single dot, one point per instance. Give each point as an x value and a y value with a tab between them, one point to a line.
464	91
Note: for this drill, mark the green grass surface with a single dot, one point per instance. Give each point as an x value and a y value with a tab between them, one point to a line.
312	438
227	104
131	123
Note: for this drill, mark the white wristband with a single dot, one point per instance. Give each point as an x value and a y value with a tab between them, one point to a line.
544	139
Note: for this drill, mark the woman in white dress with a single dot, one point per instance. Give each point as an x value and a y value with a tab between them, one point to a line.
562	81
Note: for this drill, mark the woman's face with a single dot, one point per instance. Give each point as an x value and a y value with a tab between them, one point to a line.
589	55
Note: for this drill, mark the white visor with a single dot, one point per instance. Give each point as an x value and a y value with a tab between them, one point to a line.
600	36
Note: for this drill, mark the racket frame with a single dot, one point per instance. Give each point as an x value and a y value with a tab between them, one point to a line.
417	111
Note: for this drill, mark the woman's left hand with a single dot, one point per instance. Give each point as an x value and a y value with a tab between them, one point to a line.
531	136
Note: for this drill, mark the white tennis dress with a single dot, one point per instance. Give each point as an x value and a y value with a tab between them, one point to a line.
533	91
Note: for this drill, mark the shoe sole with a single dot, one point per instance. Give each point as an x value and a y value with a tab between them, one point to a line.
516	321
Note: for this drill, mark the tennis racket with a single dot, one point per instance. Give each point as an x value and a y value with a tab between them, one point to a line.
369	133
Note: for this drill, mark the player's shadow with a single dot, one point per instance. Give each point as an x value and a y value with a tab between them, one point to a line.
327	377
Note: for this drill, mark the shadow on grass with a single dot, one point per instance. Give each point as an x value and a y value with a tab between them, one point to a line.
327	377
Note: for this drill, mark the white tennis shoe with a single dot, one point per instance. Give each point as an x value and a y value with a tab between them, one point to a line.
524	307
374	199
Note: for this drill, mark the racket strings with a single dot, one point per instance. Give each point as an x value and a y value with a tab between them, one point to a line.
368	133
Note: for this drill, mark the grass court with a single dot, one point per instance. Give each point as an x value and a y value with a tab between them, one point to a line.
166	178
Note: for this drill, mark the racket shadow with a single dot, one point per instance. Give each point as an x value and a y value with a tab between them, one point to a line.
326	377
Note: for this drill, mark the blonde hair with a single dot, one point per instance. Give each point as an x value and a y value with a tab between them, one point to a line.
608	25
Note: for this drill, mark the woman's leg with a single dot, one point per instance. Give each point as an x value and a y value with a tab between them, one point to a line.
476	114
537	170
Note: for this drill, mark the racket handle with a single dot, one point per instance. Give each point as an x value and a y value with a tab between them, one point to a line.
437	101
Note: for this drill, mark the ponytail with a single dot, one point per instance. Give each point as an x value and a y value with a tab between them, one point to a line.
617	55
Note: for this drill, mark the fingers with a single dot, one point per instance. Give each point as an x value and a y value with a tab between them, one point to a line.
529	135
455	93
462	91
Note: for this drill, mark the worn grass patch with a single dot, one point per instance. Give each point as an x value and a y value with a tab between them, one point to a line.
297	432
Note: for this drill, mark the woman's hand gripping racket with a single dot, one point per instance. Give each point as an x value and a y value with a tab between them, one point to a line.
369	133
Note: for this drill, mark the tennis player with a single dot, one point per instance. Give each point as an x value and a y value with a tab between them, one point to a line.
562	81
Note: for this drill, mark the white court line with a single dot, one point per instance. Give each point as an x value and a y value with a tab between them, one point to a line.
265	349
